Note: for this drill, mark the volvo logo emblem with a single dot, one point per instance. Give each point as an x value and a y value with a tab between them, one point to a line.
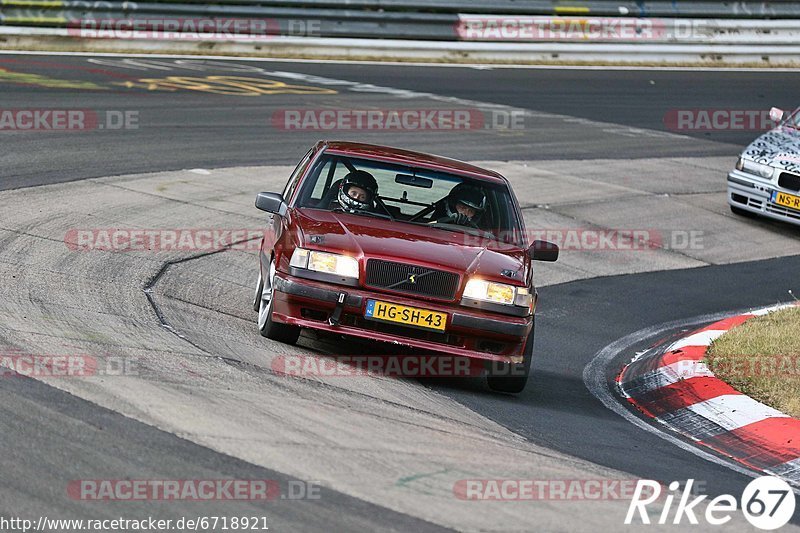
411	278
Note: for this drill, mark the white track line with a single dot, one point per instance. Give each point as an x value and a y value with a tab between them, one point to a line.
701	338
733	411
670	374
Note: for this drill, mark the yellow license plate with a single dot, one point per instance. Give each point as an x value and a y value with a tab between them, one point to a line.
786	200
411	316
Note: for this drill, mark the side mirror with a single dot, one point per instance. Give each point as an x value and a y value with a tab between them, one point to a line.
271	202
776	115
543	251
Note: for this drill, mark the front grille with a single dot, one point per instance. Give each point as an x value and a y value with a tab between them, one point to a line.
396	277
789	181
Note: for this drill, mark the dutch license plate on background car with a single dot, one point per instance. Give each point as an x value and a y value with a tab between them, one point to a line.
786	200
400	314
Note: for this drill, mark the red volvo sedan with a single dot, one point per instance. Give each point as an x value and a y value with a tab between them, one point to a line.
402	247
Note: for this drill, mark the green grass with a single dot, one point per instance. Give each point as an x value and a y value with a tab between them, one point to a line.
761	358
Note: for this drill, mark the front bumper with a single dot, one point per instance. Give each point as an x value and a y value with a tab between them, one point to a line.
755	195
468	333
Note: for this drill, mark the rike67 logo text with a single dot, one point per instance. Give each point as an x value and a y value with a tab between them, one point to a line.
767	503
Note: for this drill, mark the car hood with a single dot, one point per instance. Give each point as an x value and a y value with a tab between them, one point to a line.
779	147
409	243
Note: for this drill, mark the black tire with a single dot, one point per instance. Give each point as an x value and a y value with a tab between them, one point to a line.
741	212
516	383
266	326
259	288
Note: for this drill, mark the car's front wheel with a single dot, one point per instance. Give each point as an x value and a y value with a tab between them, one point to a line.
513	378
268	328
259	289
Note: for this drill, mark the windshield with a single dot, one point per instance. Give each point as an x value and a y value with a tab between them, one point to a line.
410	195
793	119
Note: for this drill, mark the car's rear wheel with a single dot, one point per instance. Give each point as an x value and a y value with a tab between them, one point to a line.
268	328
513	378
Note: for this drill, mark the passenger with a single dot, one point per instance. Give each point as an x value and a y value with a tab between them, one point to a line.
464	206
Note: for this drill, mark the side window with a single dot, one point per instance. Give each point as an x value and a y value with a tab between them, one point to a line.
332	171
319	185
295	179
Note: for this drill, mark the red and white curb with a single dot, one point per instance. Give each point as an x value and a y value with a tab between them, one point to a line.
675	387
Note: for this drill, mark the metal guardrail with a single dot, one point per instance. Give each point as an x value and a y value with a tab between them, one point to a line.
643	8
380	19
758	31
718	54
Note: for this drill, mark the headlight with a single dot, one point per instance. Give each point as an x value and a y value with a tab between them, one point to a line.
340	265
500	293
758	169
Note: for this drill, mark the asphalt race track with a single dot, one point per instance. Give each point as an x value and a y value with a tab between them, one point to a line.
594	150
182	129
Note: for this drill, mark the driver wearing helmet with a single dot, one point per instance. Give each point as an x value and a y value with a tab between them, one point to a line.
464	205
357	192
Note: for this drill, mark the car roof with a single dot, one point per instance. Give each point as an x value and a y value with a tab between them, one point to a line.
411	158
